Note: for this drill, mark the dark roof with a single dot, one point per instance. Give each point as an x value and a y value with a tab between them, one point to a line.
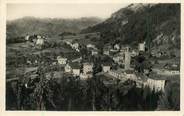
129	71
75	65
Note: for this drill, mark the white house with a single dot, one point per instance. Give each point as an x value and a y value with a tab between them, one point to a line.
61	60
75	68
27	37
75	46
116	47
106	68
76	72
94	52
157	85
40	41
87	68
142	46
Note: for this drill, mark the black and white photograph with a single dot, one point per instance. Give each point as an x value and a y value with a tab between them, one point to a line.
93	57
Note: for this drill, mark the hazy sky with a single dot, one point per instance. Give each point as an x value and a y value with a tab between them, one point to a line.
15	11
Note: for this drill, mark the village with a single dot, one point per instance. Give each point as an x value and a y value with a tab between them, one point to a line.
86	61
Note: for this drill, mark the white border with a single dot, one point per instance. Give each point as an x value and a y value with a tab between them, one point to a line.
89	113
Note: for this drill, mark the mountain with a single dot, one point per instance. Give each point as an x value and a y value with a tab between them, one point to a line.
157	24
48	26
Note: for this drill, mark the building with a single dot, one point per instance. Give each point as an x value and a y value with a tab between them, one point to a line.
87	68
61	60
118	59
68	68
127	59
157	85
106	68
106	52
39	41
91	46
75	66
129	74
75	46
27	37
85	76
166	72
117	47
117	73
142	47
94	52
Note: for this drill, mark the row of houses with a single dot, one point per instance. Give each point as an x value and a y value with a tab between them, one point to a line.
38	40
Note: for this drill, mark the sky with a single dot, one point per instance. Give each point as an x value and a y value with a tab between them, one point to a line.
15	11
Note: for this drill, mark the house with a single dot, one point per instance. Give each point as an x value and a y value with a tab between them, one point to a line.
106	68
75	66
75	46
118	59
157	85
167	72
61	60
130	75
27	37
116	73
87	68
117	47
68	68
91	46
85	76
39	41
94	52
106	52
142	47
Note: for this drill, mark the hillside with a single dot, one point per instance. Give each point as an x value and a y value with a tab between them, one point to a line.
157	24
47	26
